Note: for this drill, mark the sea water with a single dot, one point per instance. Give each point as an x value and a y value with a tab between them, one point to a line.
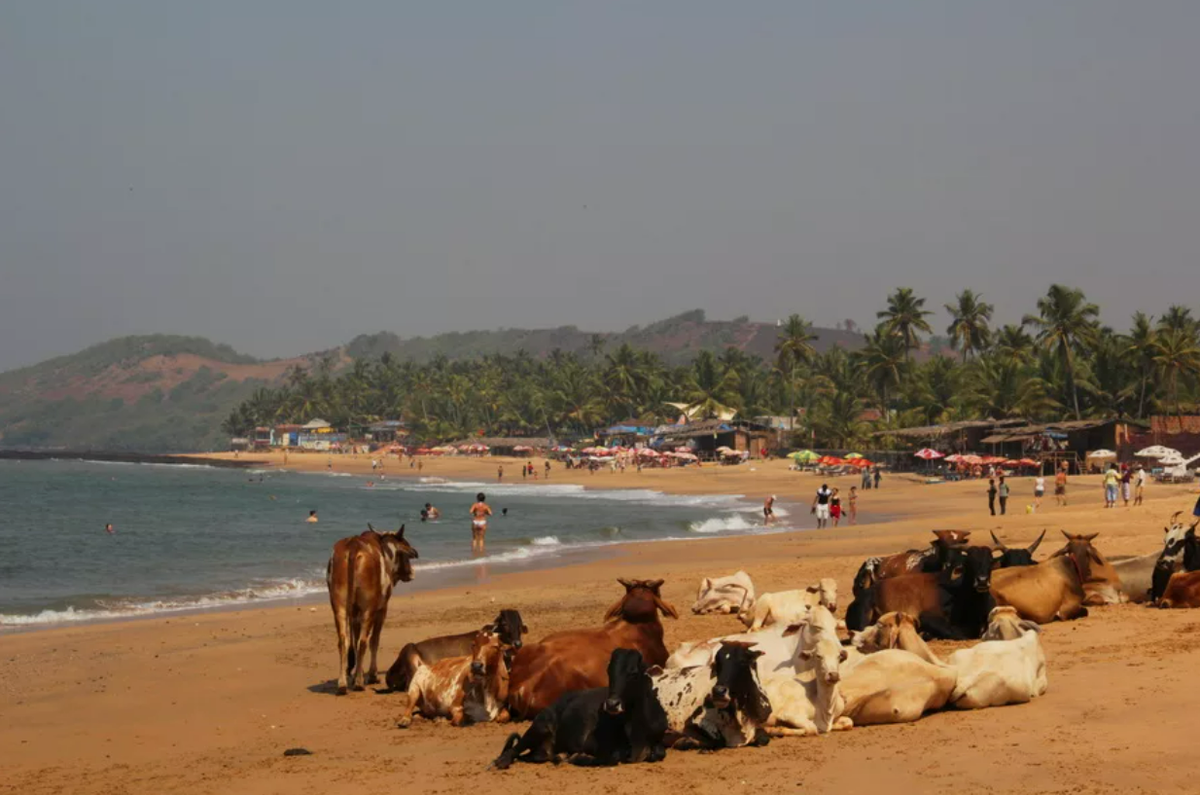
194	537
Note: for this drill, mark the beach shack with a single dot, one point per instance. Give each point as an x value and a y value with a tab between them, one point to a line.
706	436
1068	441
318	434
628	433
286	435
386	431
261	438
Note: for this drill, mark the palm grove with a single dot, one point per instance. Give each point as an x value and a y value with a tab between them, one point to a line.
1059	362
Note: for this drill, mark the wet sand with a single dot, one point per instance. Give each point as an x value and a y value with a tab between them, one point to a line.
209	702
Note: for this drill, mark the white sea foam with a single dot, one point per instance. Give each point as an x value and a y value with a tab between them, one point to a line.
722	524
295	588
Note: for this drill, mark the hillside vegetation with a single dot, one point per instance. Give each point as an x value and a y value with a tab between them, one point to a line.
165	393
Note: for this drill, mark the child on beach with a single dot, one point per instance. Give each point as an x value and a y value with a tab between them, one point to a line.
854	505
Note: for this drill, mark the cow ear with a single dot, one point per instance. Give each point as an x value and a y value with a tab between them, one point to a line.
805	654
792	630
845	655
654	670
813	588
524	629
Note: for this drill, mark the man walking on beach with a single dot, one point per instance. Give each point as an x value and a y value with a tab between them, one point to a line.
769	511
1139	485
992	495
878	477
866	478
820	505
479	514
1002	492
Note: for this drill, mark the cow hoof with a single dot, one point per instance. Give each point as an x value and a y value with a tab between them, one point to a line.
341	690
373	679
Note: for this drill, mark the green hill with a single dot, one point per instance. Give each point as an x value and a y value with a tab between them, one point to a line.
165	393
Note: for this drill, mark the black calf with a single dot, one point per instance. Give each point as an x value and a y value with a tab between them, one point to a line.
603	726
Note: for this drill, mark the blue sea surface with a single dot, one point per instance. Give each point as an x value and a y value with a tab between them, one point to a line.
191	537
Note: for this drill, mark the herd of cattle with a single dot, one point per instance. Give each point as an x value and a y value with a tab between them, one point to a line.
615	694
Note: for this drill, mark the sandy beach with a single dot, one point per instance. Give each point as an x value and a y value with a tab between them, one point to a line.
208	702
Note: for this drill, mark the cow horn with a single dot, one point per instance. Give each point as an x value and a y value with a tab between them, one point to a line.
1067	535
1033	547
370	527
400	533
627	583
999	543
1175	517
1092	537
653	585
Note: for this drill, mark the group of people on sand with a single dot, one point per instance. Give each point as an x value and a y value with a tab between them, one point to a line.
827	506
1125	482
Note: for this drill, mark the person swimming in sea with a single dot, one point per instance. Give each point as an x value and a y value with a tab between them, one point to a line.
312	517
108	528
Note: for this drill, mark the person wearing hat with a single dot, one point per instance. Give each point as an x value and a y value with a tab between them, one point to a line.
1139	484
769	511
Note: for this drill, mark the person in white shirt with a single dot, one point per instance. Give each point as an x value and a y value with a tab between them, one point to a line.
820	505
1039	491
1139	484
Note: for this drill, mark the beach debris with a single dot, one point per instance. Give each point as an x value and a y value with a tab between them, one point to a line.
297	752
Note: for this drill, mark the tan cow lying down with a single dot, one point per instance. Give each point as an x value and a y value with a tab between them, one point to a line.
789	607
470	689
361	573
1005	623
894	686
999	672
895	631
1183	590
724	594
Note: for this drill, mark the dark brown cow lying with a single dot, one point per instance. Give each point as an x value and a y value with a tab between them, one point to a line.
578	659
361	573
508	626
915	561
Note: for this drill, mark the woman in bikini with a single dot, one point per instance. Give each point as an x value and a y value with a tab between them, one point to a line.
479	514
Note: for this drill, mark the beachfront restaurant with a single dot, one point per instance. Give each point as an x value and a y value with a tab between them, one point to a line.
706	436
320	435
1066	442
626	434
286	435
386	431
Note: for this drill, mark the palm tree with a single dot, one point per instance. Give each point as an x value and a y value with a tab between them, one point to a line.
1176	354
712	389
792	349
1013	344
968	329
885	362
905	316
1177	318
1001	389
1139	352
1066	322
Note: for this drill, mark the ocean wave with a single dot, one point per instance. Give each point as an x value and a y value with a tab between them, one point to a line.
295	588
572	491
722	524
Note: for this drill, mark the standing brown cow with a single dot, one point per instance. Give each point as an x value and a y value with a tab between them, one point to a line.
578	659
361	573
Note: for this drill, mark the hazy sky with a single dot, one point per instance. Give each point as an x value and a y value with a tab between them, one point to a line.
284	175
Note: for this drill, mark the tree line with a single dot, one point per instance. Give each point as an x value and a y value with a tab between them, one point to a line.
1059	362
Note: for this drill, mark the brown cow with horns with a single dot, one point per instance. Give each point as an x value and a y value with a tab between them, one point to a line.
361	573
577	659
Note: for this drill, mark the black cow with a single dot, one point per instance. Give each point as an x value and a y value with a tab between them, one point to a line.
508	625
1016	557
1181	555
603	726
951	604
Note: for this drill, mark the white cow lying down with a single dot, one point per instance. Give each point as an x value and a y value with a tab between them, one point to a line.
998	672
811	702
790	607
779	648
724	594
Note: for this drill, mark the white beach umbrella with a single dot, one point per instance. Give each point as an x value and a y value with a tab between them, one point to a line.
1102	454
1157	451
1171	460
